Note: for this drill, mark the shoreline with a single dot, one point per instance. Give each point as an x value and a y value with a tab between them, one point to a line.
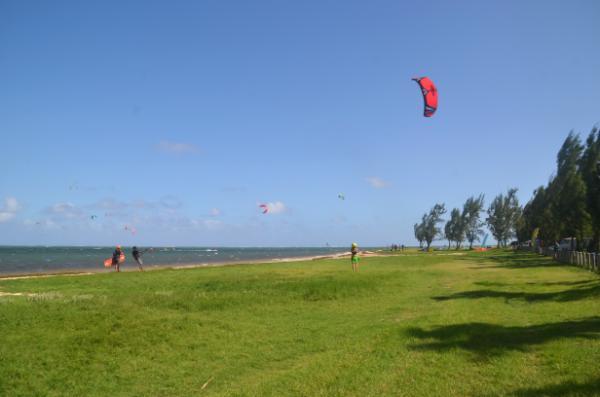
134	268
164	266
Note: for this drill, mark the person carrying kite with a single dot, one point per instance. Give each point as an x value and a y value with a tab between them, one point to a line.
116	258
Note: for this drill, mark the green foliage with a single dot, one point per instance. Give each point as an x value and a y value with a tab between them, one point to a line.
455	227
571	198
590	173
569	206
535	216
471	219
503	216
466	224
420	233
448	232
429	224
495	323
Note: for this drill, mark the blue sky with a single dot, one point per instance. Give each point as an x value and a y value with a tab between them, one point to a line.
177	119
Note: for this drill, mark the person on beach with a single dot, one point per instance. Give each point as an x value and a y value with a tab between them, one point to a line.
137	255
354	257
116	258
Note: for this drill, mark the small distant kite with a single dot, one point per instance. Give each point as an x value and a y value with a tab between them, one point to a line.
265	208
341	196
430	95
131	229
92	217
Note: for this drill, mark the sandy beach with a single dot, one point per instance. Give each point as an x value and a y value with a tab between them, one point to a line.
133	268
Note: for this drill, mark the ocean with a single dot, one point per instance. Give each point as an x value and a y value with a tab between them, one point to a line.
29	260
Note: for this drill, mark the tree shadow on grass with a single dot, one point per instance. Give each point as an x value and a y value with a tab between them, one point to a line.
514	260
486	283
580	282
587	291
491	339
567	389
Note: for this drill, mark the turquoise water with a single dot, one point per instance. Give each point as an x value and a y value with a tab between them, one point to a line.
17	260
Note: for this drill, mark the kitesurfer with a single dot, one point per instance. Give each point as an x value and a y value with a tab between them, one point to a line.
137	255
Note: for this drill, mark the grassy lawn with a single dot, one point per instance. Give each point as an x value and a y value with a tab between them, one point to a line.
478	324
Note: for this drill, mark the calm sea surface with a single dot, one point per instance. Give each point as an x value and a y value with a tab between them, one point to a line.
16	260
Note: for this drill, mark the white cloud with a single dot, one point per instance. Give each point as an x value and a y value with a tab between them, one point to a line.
64	211
6	216
171	202
45	223
377	182
215	212
212	224
276	208
114	208
9	209
177	148
110	204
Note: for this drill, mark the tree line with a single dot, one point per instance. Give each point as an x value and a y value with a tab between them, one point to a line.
466	224
568	206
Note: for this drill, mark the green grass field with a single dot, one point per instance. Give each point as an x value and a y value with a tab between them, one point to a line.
479	324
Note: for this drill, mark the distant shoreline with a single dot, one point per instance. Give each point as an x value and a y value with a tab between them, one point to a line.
18	261
133	267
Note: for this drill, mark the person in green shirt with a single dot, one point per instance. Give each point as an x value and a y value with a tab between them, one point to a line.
354	257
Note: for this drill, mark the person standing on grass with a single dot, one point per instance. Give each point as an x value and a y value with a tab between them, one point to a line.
137	255
116	258
354	257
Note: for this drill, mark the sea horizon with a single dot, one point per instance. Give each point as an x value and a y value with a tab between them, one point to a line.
39	259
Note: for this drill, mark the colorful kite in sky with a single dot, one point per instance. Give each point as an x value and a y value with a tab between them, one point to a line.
430	95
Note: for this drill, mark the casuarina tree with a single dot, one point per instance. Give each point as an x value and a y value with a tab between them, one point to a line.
503	215
455	227
419	235
471	219
430	223
590	172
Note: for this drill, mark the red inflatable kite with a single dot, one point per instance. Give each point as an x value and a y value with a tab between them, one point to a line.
264	207
430	95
